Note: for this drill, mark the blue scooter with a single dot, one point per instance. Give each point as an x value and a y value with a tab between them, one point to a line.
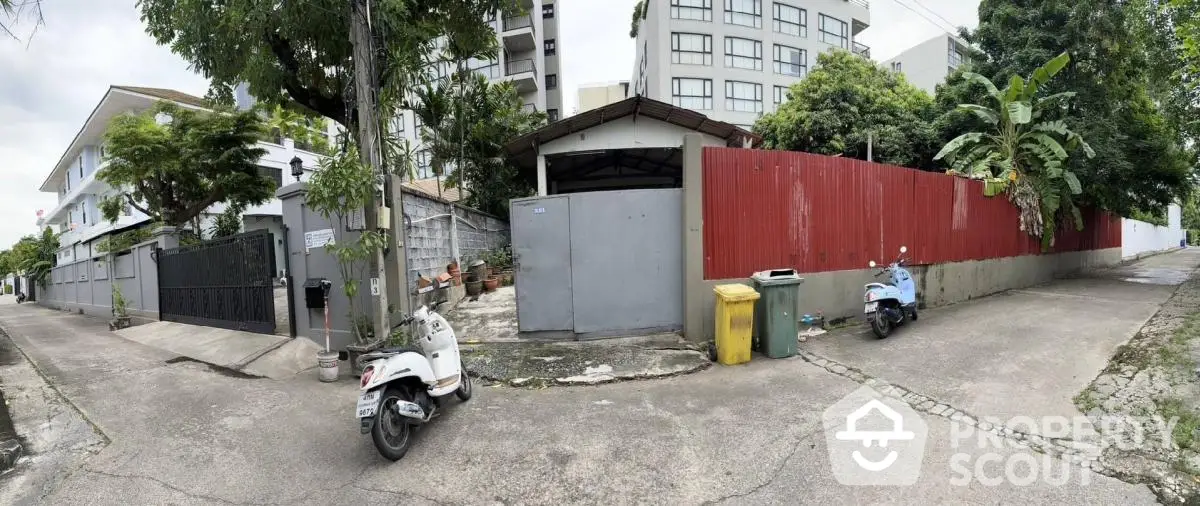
889	304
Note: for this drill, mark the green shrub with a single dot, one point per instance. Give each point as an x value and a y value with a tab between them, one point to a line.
8	289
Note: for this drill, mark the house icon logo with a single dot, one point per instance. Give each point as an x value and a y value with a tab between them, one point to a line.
874	439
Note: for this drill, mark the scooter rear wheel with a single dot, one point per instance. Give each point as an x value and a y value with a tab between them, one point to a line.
392	433
880	324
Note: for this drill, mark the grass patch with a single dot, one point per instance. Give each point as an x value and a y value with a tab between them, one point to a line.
1188	423
1086	400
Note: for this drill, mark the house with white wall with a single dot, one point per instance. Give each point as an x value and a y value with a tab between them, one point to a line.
73	178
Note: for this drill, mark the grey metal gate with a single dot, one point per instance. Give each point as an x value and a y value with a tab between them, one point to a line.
542	256
225	282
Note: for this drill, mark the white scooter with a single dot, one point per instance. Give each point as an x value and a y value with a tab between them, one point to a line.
402	388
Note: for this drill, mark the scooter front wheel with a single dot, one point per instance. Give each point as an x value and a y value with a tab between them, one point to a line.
392	432
880	324
464	384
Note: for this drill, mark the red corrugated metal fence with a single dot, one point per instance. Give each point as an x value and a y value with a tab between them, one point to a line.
770	209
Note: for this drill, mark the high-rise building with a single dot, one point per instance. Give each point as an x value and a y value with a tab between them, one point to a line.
733	60
596	95
927	64
529	57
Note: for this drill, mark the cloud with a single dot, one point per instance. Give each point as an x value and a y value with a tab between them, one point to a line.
50	86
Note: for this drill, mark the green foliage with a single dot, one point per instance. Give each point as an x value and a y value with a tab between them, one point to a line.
299	53
1027	156
123	241
35	255
845	99
8	289
471	139
228	223
307	131
640	10
500	258
1132	101
7	263
172	172
119	304
1159	219
339	188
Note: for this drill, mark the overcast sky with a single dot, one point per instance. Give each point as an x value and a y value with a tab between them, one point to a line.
48	89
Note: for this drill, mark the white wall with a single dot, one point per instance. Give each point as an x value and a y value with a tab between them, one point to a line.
1139	237
625	133
925	65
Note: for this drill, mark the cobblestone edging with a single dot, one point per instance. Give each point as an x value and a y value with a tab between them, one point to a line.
1057	447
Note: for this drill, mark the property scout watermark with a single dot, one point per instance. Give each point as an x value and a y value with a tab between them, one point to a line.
874	439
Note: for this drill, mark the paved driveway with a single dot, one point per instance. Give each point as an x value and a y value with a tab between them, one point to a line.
1018	353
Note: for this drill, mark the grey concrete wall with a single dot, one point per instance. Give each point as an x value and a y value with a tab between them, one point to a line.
838	294
430	248
85	285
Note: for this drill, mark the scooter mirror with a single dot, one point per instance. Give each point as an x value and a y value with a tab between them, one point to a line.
871	264
903	250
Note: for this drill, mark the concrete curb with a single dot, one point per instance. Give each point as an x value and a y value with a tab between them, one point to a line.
10	451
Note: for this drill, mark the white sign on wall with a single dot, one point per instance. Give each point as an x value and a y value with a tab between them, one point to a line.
318	238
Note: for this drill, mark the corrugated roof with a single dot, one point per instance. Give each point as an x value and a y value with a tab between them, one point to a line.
166	94
430	187
640	106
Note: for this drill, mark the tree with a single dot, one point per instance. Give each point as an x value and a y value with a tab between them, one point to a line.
1023	152
845	99
472	139
1140	162
35	255
14	10
299	53
6	263
175	170
228	223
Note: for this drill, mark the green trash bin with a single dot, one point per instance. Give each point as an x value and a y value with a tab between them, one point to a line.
775	312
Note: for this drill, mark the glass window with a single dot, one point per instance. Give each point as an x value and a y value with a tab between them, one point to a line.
744	12
551	81
834	32
781	94
743	97
896	67
552	115
547	11
743	53
549	47
691	48
790	20
955	57
424	167
692	93
698	10
80	166
790	61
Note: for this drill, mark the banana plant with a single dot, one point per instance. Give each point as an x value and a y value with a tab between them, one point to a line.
1022	153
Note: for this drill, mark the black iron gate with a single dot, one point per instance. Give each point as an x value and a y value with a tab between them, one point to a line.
225	282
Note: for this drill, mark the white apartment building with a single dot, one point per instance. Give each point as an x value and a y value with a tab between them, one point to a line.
733	60
77	215
927	64
594	95
529	58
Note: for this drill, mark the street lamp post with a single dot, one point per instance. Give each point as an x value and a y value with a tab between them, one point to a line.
297	167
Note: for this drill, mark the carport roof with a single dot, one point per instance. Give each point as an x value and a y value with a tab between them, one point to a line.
638	106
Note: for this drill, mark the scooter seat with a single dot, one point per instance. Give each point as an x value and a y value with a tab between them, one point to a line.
399	349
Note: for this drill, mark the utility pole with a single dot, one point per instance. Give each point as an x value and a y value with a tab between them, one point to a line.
368	152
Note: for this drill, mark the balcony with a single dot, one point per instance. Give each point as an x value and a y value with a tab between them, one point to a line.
862	50
489	71
522	73
860	16
519	33
88	186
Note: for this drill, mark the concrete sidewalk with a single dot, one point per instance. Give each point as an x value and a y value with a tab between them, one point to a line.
185	433
260	355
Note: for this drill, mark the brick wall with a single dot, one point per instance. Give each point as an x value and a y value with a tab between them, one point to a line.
429	244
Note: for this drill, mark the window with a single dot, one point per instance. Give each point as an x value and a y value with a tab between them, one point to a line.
691	93
955	57
743	97
398	125
699	10
273	174
790	61
743	53
834	32
101	152
550	47
552	115
789	20
424	168
744	126
691	48
547	11
551	81
896	67
80	167
744	12
419	127
83	214
781	94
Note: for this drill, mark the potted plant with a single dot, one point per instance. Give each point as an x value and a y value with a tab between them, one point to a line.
119	309
337	190
491	283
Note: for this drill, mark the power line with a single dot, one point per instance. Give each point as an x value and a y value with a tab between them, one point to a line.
935	13
923	16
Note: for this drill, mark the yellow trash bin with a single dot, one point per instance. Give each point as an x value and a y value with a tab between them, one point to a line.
735	322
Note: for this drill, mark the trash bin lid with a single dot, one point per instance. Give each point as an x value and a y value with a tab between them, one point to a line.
735	292
777	277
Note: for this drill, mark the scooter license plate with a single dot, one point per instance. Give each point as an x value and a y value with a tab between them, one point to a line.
870	307
368	404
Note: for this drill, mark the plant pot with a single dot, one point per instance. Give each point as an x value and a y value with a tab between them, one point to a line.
493	271
455	273
355	351
118	323
474	287
491	283
327	366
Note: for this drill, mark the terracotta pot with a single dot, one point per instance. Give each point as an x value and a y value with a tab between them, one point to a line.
455	273
491	283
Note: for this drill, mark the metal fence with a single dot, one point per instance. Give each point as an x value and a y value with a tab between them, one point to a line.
226	282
